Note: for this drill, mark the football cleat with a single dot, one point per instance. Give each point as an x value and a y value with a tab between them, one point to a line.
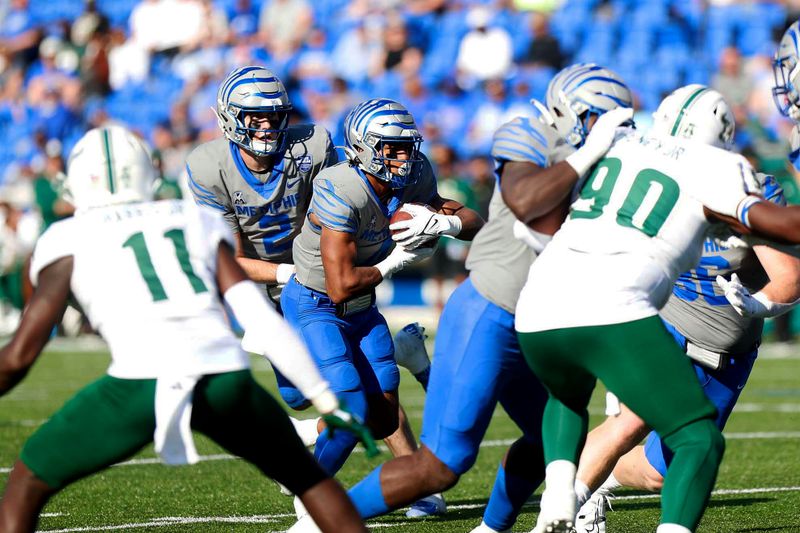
432	505
592	516
557	514
306	430
409	348
483	528
305	524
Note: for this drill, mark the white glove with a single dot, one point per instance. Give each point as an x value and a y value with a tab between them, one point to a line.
283	273
532	239
424	226
401	258
746	304
599	139
325	402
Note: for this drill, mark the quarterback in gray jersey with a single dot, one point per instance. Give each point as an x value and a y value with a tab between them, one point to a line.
711	314
260	174
345	250
478	360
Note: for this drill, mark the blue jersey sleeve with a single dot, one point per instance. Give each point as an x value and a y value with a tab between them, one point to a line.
522	140
332	208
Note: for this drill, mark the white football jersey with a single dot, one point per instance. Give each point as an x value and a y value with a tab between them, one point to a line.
637	223
144	274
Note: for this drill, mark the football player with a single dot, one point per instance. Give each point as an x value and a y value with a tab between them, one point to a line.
640	220
259	176
477	358
176	365
786	92
345	250
711	314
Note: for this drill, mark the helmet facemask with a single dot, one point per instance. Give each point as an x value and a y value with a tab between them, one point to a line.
787	100
397	172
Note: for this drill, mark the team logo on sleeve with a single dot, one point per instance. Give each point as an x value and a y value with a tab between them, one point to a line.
238	198
304	164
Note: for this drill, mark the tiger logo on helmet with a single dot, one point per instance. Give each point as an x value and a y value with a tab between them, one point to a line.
253	90
580	92
370	127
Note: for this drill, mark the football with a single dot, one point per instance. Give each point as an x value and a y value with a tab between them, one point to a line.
401	215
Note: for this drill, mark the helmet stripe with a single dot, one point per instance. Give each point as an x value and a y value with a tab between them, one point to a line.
235	75
109	161
365	114
250	80
685	106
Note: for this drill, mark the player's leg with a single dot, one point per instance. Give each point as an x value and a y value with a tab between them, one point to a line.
104	423
556	357
646	466
233	410
461	397
411	354
522	469
644	368
313	315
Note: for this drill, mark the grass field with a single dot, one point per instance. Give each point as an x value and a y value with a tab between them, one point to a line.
758	488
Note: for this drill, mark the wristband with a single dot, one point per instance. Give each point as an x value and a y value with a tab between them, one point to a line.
743	209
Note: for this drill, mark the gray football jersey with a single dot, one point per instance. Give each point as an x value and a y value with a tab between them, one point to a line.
343	200
265	209
698	308
499	263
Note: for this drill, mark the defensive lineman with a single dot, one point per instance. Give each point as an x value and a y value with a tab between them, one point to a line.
639	222
721	336
176	365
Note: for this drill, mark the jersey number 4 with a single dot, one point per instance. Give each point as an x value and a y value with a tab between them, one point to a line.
649	202
137	243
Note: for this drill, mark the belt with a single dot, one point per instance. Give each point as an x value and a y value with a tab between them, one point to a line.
355	305
711	359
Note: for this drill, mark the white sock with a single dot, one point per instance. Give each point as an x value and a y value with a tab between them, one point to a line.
582	492
672	528
609	485
560	476
306	430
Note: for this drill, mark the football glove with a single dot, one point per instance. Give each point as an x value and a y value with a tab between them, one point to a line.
343	420
401	258
599	139
423	226
746	304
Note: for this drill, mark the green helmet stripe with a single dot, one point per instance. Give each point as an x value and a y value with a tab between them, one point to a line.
109	161
686	105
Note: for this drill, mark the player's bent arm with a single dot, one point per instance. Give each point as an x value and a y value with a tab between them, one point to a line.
782	292
774	222
343	279
531	191
267	334
469	221
43	312
261	270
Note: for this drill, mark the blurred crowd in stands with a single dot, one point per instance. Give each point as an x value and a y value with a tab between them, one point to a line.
463	67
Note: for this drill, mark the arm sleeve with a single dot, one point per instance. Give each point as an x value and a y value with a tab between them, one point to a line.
332	208
55	243
267	333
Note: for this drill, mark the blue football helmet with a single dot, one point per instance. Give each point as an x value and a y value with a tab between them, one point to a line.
372	125
253	90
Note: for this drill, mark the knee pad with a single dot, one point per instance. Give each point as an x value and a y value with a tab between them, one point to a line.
388	375
294	398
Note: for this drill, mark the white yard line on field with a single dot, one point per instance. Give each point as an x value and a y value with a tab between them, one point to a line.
271	518
497	443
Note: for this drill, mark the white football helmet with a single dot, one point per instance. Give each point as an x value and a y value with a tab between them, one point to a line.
787	73
109	166
371	125
581	91
253	90
696	112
